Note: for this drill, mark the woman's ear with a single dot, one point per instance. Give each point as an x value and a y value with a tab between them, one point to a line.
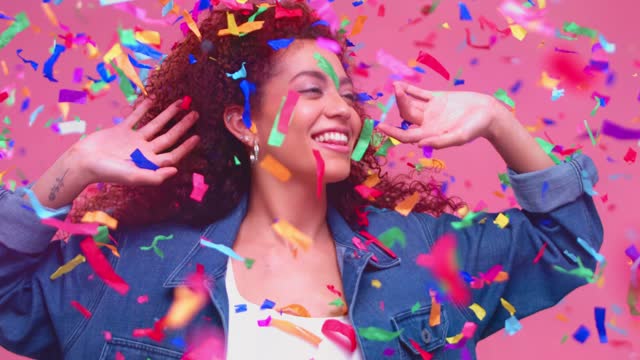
233	122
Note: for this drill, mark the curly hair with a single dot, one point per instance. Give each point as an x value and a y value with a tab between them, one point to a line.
211	90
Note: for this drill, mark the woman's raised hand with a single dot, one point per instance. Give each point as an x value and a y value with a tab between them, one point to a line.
106	154
443	118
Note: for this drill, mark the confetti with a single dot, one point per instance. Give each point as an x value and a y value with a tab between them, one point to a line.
240	74
292	235
319	173
464	12
279	44
142	162
154	245
501	220
363	140
377	334
434	64
275	168
619	132
40	210
102	266
20	23
83	310
68	266
391	235
325	66
199	187
405	206
296	330
72	96
47	69
581	334
191	24
101	218
227	251
478	310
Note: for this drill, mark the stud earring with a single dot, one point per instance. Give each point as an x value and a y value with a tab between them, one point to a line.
256	149
228	117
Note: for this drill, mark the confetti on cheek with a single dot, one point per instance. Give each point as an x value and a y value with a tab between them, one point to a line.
102	267
319	173
434	64
68	267
142	162
86	313
275	168
363	140
20	23
340	333
287	111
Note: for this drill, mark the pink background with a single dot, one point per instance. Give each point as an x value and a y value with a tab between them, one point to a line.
475	166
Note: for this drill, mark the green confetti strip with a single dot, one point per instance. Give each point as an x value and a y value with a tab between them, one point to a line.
125	84
276	138
18	26
249	262
337	302
325	65
363	141
547	147
103	235
501	95
377	334
384	149
593	112
236	160
466	221
260	10
593	140
580	271
154	245
574	28
415	307
504	179
392	235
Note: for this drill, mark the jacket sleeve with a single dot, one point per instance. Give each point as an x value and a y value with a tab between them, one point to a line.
556	210
29	300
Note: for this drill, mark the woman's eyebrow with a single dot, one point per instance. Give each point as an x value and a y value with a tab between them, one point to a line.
320	76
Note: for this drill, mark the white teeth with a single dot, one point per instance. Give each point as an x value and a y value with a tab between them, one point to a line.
332	136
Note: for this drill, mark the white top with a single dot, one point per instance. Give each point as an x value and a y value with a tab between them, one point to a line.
247	340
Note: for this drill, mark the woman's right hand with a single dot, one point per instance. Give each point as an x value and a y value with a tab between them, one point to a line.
106	154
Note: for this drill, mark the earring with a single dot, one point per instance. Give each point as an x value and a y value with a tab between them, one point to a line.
228	117
254	156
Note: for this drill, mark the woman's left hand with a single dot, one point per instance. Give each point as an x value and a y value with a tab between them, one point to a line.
444	118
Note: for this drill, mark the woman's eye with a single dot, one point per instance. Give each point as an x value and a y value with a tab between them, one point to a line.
312	90
350	96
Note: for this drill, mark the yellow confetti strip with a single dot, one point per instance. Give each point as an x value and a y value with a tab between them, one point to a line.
432	163
292	235
296	330
100	217
93	52
478	310
455	339
243	29
517	31
191	24
542	4
434	315
405	206
125	65
70	265
113	53
276	168
547	81
148	37
232	25
376	283
501	220
64	110
371	181
446	25
50	15
358	25
186	304
508	306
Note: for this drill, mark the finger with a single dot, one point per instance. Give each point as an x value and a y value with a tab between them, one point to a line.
151	177
406	136
410	108
443	140
419	93
169	138
176	155
154	126
137	113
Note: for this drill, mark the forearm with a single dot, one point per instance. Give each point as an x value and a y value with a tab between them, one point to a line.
62	182
515	145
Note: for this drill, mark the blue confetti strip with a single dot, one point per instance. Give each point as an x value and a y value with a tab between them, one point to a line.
142	162
47	69
280	43
602	330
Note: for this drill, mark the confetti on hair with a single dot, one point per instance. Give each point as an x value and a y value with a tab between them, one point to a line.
275	168
363	140
240	74
102	266
279	44
199	187
100	217
328	44
142	162
68	266
294	236
20	23
191	24
405	206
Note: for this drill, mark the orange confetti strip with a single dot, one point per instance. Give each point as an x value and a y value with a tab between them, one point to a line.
434	315
358	25
243	29
405	206
293	235
371	181
296	310
186	304
276	168
100	217
50	15
125	65
296	330
191	24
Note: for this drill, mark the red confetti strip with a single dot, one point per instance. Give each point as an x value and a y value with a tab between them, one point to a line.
381	10
332	329
367	192
485	47
373	239
319	172
102	267
442	263
119	356
4	96
83	310
334	290
483	21
630	156
155	334
544	246
425	355
186	102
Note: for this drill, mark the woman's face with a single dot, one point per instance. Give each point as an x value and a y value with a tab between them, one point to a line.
323	119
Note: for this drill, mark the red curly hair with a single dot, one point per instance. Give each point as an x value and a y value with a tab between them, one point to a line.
211	90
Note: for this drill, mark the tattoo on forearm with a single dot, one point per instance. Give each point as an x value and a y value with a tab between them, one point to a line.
56	188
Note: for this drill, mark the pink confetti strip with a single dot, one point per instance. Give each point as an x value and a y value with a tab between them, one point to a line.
287	111
319	173
434	64
72	228
329	44
102	267
332	329
83	310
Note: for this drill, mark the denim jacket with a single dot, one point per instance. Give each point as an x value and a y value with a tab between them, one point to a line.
37	319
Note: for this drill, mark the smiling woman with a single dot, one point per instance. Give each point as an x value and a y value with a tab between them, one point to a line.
324	268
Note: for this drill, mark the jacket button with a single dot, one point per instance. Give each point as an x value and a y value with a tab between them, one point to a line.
426	336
